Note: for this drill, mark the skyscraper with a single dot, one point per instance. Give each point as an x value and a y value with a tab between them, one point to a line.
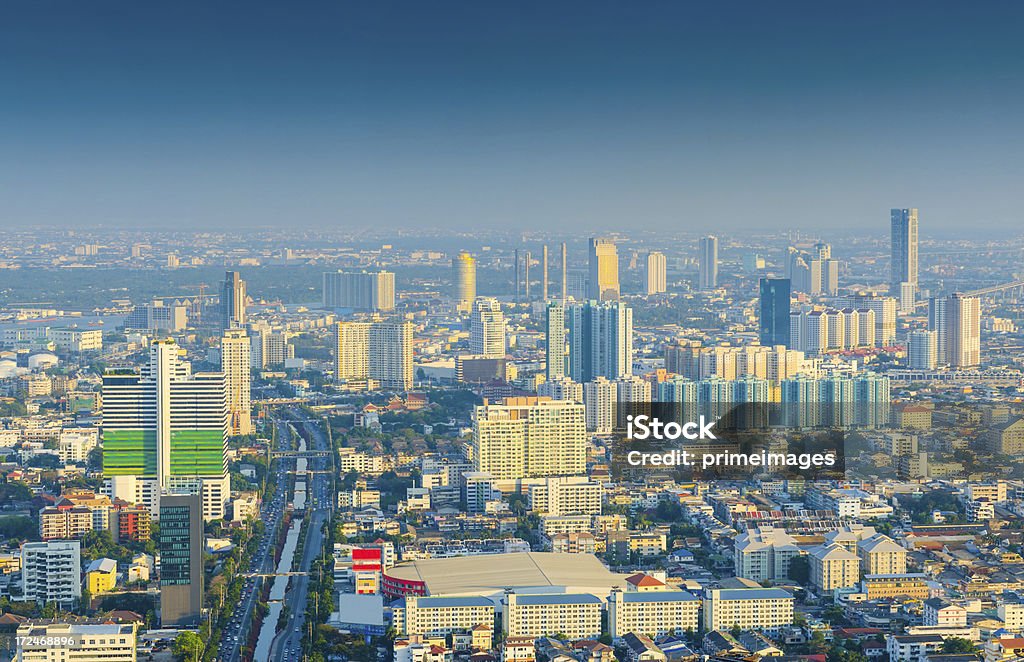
181	561
464	277
378	351
391	354
165	431
233	300
236	365
529	438
487	329
708	263
774	320
603	284
963	340
544	274
922	350
904	249
565	272
371	291
600	340
555	341
956	321
351	351
656	266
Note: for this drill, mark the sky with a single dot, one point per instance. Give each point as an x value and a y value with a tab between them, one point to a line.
577	116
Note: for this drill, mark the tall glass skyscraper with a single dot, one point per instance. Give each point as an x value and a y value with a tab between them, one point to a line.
904	249
600	340
708	263
774	322
165	432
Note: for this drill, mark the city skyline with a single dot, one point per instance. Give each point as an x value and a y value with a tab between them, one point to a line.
574	116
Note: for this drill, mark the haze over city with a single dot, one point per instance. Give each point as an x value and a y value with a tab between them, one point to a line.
584	116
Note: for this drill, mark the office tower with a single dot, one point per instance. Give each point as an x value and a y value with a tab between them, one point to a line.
529	438
233	300
526	273
544	274
963	331
603	283
51	572
487	329
158	315
236	364
370	291
391	354
565	272
515	254
774	320
555	341
165	431
464	277
600	340
708	263
922	350
599	398
181	560
656	266
351	351
904	249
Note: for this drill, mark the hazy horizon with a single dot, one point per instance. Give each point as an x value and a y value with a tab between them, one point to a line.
585	117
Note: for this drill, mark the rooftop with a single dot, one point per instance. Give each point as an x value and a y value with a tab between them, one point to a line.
491	573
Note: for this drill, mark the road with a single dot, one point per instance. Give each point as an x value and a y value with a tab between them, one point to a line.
286	645
234	633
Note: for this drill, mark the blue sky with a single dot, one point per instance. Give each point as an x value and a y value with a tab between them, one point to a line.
578	115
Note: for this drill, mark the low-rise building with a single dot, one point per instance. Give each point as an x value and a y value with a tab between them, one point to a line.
573	615
765	608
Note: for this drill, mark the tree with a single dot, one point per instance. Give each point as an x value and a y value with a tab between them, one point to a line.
188	646
800	570
958	645
818	643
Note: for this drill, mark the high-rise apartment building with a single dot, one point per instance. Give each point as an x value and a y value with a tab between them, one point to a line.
165	431
956	321
351	351
487	328
377	351
233	300
236	364
391	354
603	283
51	572
922	350
656	276
464	279
529	438
884	308
708	263
555	341
600	398
774	320
904	249
369	291
600	340
181	561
